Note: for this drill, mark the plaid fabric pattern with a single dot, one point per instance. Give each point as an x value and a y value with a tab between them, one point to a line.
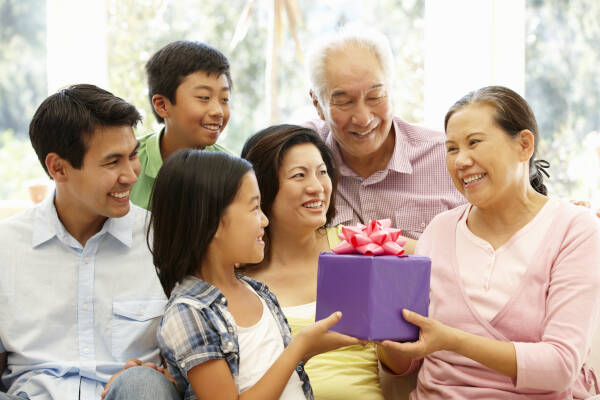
196	327
414	187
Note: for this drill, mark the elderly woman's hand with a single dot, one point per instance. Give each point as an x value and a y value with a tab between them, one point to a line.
433	336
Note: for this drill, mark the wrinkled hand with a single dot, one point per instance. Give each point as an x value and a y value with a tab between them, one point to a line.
433	336
133	362
586	204
317	338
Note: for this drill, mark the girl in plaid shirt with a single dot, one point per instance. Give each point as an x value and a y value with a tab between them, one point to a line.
223	336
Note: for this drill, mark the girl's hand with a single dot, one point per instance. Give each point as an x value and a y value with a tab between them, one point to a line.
433	336
317	338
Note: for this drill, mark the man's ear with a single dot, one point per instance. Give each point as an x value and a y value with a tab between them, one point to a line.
57	167
315	102
527	144
160	103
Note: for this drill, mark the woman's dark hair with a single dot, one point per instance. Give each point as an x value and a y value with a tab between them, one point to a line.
513	115
191	192
266	149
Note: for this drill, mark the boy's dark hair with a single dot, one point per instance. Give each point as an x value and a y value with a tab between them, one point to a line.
191	192
167	68
266	149
65	121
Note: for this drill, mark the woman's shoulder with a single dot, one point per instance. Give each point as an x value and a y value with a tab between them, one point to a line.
446	219
575	220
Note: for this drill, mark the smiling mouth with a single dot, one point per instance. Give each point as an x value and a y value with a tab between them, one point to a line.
212	127
119	195
315	204
473	178
364	133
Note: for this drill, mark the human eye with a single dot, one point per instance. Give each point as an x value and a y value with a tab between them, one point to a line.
341	101
203	98
473	142
451	149
376	95
323	171
298	175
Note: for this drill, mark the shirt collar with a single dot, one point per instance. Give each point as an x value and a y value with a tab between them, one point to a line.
155	160
47	225
200	290
399	161
206	293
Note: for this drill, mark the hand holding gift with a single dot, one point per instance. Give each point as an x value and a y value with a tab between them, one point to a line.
371	287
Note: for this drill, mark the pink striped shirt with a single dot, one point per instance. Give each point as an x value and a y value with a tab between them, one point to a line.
411	190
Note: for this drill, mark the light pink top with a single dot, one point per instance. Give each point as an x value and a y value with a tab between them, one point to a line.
490	277
550	317
411	190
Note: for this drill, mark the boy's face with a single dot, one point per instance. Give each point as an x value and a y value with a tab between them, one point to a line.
201	110
100	188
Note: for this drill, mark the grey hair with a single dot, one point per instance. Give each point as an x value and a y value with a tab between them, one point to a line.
358	36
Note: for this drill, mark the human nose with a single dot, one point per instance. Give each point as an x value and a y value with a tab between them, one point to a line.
264	221
463	159
216	109
130	172
362	115
314	185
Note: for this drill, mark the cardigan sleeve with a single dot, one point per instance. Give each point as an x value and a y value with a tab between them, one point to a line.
572	308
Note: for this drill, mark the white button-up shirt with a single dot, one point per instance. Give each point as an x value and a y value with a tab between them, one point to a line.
71	315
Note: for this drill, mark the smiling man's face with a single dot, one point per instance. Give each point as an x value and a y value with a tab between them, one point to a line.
358	107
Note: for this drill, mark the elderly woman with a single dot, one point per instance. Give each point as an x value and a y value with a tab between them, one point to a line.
515	275
297	177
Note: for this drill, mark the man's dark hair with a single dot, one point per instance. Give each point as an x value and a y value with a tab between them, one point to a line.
65	121
167	68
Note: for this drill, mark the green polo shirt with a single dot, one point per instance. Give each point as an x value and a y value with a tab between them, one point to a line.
151	161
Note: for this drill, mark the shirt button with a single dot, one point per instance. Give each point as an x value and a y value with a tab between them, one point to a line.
84	307
230	329
141	312
422	224
86	350
228	346
86	260
223	300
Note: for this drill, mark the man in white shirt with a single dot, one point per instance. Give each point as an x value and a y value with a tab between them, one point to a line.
79	297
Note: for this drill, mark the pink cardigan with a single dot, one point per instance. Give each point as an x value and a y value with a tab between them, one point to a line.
550	319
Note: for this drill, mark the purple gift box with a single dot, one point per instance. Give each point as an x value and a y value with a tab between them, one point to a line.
371	292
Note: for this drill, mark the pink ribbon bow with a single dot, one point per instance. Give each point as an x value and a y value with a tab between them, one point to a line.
374	239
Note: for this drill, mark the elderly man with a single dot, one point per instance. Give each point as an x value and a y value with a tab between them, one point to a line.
389	168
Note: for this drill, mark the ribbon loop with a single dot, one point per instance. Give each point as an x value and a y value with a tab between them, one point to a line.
374	239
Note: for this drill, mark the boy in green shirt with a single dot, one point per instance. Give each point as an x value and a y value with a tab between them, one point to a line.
189	84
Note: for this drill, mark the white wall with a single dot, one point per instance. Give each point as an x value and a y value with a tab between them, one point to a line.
470	44
76	43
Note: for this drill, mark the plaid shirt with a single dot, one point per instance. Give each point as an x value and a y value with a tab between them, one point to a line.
196	327
413	188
